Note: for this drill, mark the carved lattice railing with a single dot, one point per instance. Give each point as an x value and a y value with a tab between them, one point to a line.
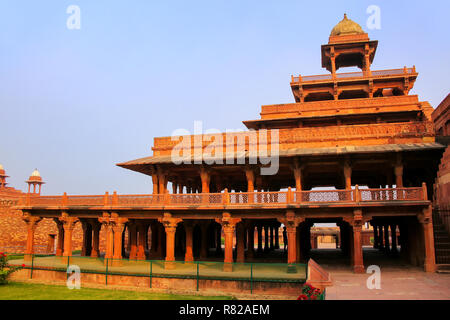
324	196
405	194
235	199
354	75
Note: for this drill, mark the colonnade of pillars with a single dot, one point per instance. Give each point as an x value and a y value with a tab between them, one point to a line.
386	237
197	237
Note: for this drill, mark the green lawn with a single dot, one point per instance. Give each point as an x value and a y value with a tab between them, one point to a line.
31	291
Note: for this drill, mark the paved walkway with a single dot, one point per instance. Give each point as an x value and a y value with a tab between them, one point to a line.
399	280
395	284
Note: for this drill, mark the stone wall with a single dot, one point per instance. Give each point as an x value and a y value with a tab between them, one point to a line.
13	231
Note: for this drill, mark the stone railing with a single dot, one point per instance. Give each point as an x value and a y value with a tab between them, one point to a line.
354	75
229	199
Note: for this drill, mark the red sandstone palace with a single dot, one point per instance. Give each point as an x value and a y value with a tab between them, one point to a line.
354	148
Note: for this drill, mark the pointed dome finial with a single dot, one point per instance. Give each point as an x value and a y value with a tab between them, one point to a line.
346	27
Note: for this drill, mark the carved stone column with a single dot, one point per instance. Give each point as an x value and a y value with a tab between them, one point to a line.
142	229
297	169
358	263
266	238
132	227
170	225
95	225
60	242
375	236
189	228
291	222
205	177
277	238
386	239
251	240
259	230
272	240
240	238
31	222
229	225
347	174
427	224
250	175
118	226
68	224
394	238
105	221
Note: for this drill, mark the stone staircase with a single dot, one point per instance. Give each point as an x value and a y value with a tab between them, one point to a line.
441	243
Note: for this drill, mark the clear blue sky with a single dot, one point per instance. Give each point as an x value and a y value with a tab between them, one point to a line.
75	102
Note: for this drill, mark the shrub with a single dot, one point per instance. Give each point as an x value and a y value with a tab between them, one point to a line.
6	270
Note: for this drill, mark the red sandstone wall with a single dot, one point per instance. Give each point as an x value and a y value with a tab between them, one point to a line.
13	232
442	186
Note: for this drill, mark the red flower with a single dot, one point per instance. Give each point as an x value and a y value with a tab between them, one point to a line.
23	265
302	297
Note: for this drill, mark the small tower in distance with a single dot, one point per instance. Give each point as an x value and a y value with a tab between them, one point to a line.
3	177
35	180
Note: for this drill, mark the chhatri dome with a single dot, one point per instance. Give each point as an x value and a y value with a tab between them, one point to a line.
35	175
345	27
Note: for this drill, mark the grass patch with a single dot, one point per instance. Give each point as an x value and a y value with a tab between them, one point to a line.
31	291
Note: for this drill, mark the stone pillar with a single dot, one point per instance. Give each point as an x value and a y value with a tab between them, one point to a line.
161	239
375	236
260	246
118	228
188	228
272	240
142	230
205	177
31	228
250	175
155	183
68	224
277	238
394	238
358	263
240	239
426	222
162	180
380	238
204	240
95	225
347	175
386	238
133	240
251	240
229	226
266	238
398	170
60	243
291	222
170	225
218	239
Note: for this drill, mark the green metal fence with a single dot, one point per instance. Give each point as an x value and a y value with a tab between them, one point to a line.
196	270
